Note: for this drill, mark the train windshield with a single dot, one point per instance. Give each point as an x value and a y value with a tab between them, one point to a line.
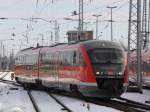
106	56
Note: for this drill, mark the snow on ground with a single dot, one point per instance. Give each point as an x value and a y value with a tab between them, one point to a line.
77	105
14	99
45	102
138	96
8	77
18	101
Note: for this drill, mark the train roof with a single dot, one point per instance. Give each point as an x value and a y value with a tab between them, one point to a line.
101	44
90	44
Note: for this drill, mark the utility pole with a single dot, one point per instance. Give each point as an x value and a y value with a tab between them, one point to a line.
56	32
81	19
3	50
86	25
82	16
11	60
144	25
51	37
139	72
42	39
97	25
148	24
111	20
81	22
1	56
134	39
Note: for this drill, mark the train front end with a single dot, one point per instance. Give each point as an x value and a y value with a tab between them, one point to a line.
109	65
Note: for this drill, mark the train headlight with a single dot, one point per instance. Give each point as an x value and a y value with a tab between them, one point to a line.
120	73
97	73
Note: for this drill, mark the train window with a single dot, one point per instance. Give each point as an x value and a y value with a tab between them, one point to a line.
65	58
70	58
74	58
106	55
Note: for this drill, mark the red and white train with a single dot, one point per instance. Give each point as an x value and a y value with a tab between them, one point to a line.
93	68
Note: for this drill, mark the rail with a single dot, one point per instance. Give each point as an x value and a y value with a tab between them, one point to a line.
59	102
120	104
35	105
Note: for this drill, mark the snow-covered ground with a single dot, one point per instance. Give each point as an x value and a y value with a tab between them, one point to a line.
7	77
16	99
138	97
45	102
77	105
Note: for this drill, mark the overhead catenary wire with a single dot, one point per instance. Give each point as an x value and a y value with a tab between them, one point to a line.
41	7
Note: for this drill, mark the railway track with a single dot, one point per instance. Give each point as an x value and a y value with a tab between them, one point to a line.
10	82
35	105
136	104
114	104
121	104
59	102
146	87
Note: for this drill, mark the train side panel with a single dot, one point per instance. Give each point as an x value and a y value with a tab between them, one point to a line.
26	66
66	67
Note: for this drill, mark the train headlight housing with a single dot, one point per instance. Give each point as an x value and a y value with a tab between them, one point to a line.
120	73
100	73
97	73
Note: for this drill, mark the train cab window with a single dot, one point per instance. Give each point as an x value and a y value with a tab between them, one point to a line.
106	56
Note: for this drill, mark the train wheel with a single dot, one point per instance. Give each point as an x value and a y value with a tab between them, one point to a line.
74	89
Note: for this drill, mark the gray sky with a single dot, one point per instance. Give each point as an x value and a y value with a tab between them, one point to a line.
19	13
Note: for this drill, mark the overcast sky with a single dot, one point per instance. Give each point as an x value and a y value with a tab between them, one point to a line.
19	13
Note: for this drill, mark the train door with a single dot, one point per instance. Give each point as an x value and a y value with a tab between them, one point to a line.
56	75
